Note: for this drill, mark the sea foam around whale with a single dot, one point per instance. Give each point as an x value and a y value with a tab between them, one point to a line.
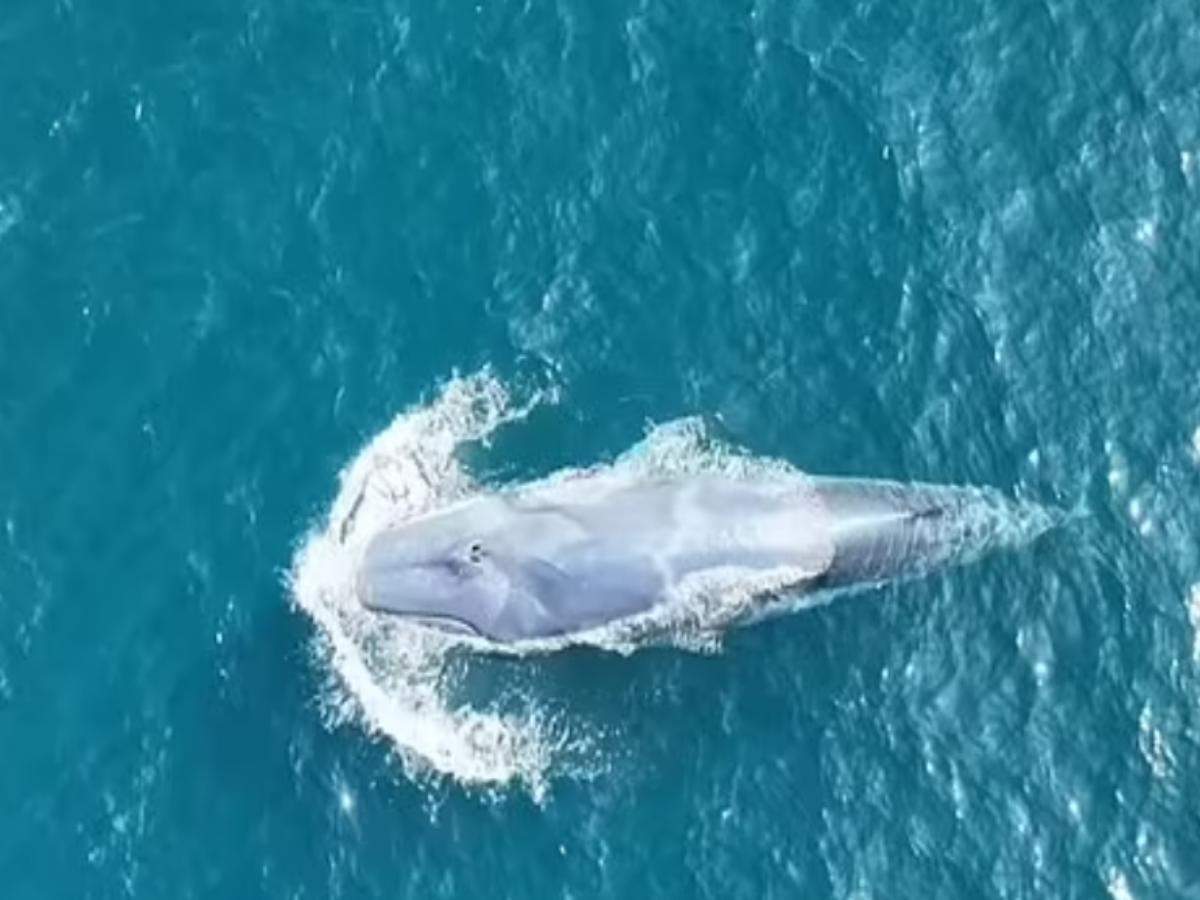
396	679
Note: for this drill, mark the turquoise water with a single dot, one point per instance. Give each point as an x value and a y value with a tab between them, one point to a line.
239	243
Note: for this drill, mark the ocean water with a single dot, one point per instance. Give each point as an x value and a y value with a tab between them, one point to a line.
271	273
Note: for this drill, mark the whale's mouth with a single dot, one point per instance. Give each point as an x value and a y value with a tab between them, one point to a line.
444	624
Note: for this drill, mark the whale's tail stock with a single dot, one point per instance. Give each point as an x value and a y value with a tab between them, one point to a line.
884	530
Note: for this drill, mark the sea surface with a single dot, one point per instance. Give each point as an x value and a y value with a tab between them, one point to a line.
273	273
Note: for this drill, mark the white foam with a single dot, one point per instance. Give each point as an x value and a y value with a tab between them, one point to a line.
10	213
1140	513
393	679
1118	885
1118	469
396	679
1194	617
1147	232
1153	745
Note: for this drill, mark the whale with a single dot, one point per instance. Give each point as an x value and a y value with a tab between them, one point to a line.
578	553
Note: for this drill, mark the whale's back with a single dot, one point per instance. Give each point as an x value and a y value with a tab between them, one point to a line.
569	555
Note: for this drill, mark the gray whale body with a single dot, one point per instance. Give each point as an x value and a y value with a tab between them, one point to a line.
570	555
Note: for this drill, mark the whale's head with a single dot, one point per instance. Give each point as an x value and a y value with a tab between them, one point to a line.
467	570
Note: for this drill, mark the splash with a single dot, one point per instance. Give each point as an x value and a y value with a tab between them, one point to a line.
397	679
393	679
